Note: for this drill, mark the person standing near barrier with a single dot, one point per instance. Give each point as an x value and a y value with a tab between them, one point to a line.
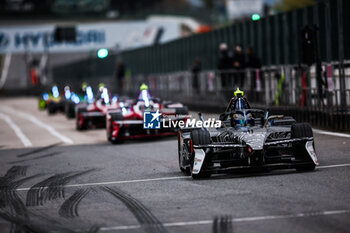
225	65
120	74
254	64
196	69
238	65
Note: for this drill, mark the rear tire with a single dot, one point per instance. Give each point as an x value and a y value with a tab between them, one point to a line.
115	116
69	109
200	137
51	108
79	118
301	130
181	111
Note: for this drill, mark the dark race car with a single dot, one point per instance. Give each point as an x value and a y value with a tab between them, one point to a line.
127	121
72	99
248	139
43	100
92	114
54	102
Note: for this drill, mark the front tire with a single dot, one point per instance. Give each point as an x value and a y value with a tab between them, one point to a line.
183	152
51	108
301	130
199	137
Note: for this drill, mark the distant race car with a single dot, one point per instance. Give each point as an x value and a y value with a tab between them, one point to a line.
70	104
248	139
72	99
127	121
54	102
43	100
92	114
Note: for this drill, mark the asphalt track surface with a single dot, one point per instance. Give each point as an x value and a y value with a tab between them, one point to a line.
69	181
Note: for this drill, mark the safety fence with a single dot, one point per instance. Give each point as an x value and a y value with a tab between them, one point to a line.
277	39
284	90
292	90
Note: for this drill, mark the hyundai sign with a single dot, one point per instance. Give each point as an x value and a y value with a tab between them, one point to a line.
35	38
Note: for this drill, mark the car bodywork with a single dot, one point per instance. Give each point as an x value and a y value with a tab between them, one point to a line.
265	143
53	101
127	121
92	114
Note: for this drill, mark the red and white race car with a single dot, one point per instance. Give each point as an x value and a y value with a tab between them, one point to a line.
93	115
127	121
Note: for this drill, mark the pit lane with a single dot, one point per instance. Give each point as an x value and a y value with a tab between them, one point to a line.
91	185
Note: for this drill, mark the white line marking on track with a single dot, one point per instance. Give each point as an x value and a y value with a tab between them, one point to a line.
118	182
155	179
333	166
318	131
246	219
35	120
26	142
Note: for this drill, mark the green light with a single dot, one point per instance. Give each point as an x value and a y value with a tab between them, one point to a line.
255	17
102	53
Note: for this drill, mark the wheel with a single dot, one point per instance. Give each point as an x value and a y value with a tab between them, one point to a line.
51	108
199	137
181	111
115	116
69	110
306	167
81	122
300	130
183	154
42	104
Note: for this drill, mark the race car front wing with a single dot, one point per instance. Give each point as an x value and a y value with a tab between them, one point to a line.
201	151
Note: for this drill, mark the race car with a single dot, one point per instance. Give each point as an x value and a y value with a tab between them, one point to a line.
43	100
247	139
72	99
127	122
54	102
92	114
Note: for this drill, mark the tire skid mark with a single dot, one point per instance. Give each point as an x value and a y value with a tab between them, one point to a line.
149	223
9	195
40	225
51	188
69	208
94	229
21	224
14	211
38	157
16	184
38	150
35	194
15	172
11	205
222	224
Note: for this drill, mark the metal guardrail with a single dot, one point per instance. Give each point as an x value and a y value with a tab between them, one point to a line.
288	90
274	86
